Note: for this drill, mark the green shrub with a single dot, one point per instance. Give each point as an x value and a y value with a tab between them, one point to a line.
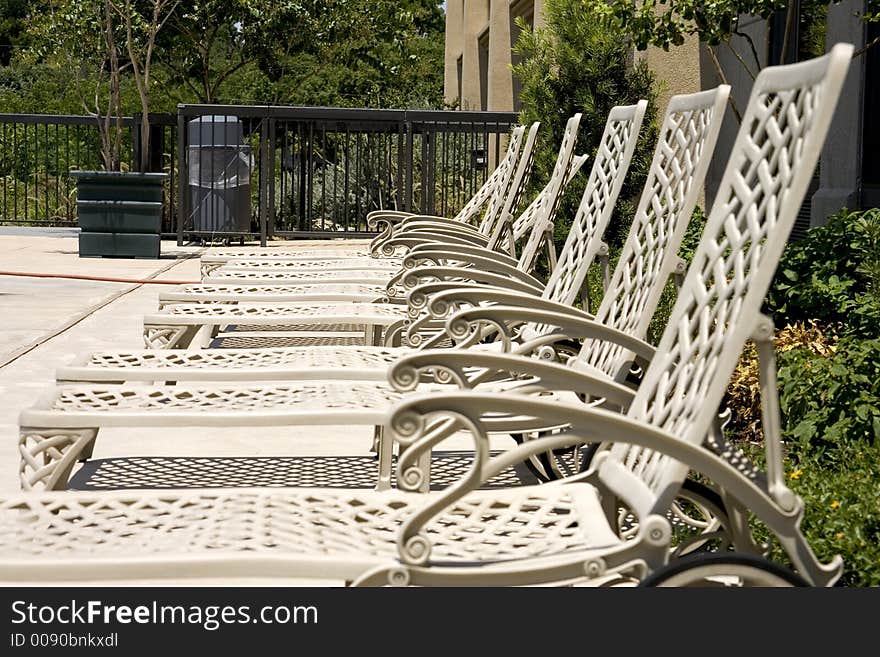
825	299
830	400
572	65
832	275
842	506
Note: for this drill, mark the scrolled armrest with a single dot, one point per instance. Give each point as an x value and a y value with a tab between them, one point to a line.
440	302
412	420
433	252
459	326
463	367
409	240
478	262
436	223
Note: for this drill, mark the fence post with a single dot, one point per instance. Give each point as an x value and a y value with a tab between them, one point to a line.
270	226
182	174
428	169
264	179
303	160
398	178
408	155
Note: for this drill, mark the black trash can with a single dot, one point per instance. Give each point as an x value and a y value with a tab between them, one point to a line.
219	165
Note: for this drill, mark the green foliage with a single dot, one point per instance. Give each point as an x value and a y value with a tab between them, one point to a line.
828	357
828	400
370	53
344	53
832	275
13	26
666	23
842	506
575	65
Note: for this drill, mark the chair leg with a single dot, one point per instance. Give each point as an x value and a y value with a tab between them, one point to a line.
386	449
161	336
48	455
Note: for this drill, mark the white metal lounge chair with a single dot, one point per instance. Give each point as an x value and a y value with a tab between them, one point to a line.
424	231
355	284
358	362
503	191
554	533
69	416
491	195
186	324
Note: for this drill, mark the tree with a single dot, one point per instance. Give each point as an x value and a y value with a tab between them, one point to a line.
574	65
666	24
13	26
374	53
311	52
100	41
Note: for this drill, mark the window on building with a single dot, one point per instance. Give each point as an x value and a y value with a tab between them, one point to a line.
459	70
483	48
871	125
524	9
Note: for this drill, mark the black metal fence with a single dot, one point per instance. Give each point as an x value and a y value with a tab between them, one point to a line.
37	152
316	171
244	172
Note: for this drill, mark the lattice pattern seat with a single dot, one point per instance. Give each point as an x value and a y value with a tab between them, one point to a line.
141	472
310	401
86	535
177	324
263	277
235	293
338	264
288	340
224	255
160	364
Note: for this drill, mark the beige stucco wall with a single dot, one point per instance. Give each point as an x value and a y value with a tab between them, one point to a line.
466	20
454	42
677	70
500	86
476	16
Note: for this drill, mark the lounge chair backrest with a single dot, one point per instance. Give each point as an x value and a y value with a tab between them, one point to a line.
518	184
491	188
681	159
544	204
542	226
610	164
718	307
507	183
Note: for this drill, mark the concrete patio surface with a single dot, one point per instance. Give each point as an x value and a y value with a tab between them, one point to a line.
47	322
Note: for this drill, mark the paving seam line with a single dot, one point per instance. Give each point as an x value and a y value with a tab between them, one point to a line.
21	351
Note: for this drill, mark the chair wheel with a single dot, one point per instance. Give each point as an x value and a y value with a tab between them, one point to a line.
727	570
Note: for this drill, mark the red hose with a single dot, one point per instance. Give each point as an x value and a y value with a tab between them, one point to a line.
107	279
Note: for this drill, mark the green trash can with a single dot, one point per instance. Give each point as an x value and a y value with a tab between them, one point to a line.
119	213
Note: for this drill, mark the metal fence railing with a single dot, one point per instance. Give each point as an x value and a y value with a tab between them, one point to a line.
37	152
318	170
245	172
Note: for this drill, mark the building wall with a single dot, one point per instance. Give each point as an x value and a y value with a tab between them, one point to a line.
479	37
478	58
